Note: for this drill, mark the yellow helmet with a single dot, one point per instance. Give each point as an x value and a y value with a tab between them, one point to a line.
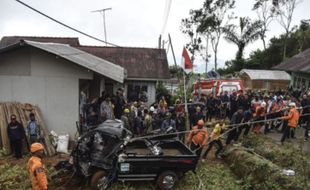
126	110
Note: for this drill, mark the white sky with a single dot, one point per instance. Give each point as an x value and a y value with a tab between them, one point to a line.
136	23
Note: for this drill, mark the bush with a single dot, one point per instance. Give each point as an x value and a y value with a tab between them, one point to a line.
14	177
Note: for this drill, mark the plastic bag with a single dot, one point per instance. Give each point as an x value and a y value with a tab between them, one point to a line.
63	143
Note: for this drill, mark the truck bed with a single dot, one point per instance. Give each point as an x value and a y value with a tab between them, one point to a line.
146	151
173	148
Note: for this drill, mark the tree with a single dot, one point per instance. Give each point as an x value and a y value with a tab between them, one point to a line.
302	33
209	22
298	41
214	19
189	28
284	10
265	12
249	32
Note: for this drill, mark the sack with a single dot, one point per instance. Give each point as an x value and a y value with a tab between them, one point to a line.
63	143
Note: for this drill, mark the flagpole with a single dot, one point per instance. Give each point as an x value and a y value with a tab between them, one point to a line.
187	125
187	65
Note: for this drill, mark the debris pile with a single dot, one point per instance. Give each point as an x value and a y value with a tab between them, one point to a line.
22	112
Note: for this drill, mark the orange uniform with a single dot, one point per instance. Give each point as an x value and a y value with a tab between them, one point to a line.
292	117
37	173
198	136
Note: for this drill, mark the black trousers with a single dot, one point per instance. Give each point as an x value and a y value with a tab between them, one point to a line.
247	129
232	135
17	146
196	148
218	142
287	133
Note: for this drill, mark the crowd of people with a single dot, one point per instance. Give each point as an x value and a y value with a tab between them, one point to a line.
243	111
230	114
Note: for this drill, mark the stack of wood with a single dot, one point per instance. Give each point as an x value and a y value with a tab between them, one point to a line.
22	112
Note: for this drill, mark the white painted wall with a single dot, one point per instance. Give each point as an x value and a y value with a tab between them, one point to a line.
56	97
53	85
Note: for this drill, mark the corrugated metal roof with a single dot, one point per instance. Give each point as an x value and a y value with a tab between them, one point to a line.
148	64
140	63
266	74
297	63
10	40
83	59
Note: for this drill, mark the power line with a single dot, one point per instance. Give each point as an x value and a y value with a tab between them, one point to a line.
166	15
65	25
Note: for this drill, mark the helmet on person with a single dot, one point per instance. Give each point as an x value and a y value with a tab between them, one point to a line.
152	109
36	147
292	104
126	110
263	104
168	115
200	122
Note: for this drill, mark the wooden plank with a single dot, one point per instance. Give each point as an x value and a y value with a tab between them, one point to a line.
3	127
48	145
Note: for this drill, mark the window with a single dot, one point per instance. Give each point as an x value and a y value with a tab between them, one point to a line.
136	92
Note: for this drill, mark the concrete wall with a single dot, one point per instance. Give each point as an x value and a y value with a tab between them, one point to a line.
10	63
53	84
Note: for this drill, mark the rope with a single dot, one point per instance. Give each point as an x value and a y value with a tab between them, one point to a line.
231	126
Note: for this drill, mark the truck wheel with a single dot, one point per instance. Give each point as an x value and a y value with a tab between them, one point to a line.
99	181
167	180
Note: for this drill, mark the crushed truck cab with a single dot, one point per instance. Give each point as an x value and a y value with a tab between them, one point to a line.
109	153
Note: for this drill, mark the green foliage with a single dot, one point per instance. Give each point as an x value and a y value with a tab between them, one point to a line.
161	89
298	41
207	23
2	152
210	176
14	177
287	156
241	36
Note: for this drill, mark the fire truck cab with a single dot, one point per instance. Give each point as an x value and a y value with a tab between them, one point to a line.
216	86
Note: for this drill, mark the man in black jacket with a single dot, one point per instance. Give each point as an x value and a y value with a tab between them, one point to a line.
16	135
236	119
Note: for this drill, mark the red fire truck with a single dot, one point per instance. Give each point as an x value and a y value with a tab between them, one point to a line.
216	86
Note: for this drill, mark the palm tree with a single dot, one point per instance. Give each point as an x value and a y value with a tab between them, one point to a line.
249	32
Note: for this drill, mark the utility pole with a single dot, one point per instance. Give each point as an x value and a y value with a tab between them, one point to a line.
170	42
102	12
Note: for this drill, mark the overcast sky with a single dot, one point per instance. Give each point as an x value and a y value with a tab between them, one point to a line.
136	23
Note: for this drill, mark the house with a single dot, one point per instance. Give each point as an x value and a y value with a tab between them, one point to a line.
51	75
299	68
144	66
264	79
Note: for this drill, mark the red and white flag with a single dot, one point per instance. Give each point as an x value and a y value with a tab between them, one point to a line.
188	65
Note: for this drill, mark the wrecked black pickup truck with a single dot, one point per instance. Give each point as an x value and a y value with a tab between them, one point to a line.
109	153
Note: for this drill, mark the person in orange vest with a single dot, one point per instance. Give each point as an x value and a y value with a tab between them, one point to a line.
36	168
292	117
198	137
